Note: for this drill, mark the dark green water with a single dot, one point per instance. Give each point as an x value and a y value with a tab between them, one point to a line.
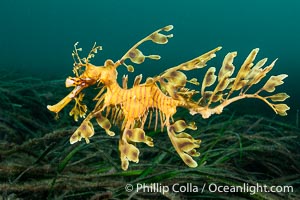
37	37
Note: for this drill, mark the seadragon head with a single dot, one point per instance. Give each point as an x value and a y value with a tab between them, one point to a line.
87	74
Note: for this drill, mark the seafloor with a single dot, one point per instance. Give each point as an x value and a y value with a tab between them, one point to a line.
37	161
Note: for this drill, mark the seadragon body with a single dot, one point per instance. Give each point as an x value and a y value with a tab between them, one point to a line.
156	100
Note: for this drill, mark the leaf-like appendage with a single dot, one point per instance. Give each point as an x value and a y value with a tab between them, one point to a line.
168	28
136	56
193	81
93	51
130	68
260	74
278	97
256	69
79	109
159	38
273	82
128	152
209	79
260	63
181	125
230	84
104	123
281	109
248	75
217	97
223	83
80	62
239	85
196	63
207	94
176	78
138	135
244	70
227	66
184	143
170	89
153	57
85	130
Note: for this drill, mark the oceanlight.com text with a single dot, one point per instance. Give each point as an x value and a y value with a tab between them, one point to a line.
251	189
211	187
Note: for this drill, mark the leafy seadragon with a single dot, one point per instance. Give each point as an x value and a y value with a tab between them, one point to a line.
158	97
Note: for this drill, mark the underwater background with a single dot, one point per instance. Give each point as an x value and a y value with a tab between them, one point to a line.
37	39
38	36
